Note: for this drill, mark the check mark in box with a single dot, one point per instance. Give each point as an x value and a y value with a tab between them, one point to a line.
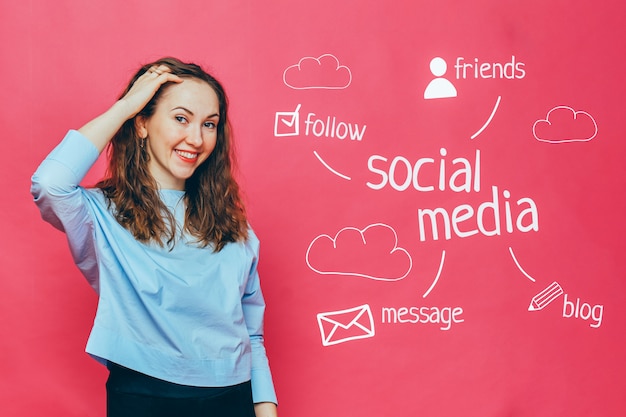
287	123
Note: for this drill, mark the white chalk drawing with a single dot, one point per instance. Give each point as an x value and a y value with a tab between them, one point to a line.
436	280
346	325
493	112
350	253
323	72
373	252
519	266
287	123
439	87
563	124
345	177
545	297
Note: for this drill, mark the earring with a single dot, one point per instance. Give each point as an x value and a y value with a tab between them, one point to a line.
142	142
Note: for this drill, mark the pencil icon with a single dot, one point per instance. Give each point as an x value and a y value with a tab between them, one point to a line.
545	297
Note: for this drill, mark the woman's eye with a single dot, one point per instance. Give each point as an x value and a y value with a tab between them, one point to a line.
210	125
181	119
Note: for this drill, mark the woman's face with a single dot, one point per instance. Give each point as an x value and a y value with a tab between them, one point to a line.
181	133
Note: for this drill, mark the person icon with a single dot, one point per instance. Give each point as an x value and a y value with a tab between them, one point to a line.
439	87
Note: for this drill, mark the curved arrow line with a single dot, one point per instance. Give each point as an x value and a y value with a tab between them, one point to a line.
519	267
443	257
488	120
345	177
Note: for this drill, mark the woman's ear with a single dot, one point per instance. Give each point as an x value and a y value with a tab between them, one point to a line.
140	126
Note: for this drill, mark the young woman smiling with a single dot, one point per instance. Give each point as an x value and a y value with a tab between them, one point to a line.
164	240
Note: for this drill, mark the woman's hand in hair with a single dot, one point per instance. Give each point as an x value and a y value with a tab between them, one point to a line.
101	129
145	87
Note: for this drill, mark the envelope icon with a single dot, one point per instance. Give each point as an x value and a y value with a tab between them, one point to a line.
345	325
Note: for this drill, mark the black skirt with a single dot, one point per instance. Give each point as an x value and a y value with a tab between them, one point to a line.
133	394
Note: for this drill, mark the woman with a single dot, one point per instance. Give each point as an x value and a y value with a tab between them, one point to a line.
164	241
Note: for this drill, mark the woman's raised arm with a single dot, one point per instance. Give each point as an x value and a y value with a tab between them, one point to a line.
101	129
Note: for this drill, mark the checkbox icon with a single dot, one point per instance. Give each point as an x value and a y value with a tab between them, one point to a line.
287	123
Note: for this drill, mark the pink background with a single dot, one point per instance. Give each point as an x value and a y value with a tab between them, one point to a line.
64	62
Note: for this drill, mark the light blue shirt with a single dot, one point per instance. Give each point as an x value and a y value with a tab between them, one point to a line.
188	315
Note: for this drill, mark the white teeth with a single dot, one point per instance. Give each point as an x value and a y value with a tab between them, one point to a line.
188	155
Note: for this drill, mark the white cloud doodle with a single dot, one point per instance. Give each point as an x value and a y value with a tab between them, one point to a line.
372	253
323	72
564	124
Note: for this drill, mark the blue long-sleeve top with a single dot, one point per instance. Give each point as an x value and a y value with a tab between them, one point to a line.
187	314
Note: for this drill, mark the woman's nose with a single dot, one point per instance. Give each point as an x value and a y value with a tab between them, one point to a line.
195	136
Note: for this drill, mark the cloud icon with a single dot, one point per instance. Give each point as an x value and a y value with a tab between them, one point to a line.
323	72
371	253
564	124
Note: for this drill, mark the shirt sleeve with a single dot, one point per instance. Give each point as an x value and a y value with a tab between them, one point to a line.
62	202
254	310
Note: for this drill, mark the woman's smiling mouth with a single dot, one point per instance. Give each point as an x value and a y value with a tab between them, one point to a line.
186	155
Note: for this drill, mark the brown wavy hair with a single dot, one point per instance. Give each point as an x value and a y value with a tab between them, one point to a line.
215	214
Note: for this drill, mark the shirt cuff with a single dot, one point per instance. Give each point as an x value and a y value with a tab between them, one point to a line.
263	387
80	157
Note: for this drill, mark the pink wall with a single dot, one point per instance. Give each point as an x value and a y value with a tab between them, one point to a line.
536	209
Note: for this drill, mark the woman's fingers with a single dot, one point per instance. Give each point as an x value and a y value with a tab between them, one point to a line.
147	85
162	74
157	70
